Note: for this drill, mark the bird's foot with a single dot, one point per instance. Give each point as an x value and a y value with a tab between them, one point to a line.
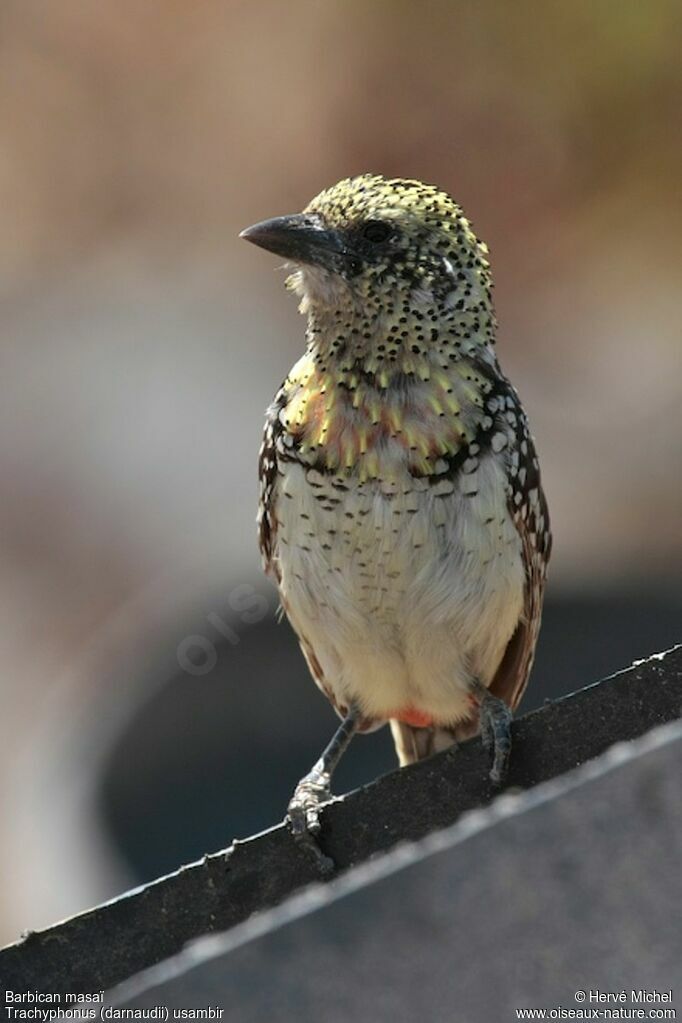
496	719
303	817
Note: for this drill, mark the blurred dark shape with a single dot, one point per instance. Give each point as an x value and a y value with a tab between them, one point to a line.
238	886
464	930
216	757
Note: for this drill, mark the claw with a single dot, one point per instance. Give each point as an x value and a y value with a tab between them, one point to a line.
487	735
496	734
303	817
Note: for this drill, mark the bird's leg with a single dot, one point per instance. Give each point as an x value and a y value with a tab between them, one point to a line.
495	718
303	814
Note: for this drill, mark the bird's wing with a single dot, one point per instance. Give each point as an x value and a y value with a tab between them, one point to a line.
531	519
267	475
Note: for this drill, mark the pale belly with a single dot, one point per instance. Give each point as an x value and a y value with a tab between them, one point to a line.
403	598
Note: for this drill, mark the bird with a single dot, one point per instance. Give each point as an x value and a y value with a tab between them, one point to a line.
401	512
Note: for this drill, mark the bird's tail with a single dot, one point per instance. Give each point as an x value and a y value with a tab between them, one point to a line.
412	744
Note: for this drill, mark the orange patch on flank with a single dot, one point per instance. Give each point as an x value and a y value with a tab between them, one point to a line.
414	717
316	411
316	408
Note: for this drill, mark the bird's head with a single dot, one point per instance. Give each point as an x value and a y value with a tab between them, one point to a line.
389	243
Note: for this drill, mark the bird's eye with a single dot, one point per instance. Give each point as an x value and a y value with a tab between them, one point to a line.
375	231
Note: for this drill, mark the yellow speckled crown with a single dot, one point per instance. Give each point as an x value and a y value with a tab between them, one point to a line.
371	195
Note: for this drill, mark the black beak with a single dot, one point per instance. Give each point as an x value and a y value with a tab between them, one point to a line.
302	238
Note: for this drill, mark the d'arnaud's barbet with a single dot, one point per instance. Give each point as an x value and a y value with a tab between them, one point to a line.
401	512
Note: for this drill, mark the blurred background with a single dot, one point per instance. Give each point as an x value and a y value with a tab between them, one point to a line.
152	709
